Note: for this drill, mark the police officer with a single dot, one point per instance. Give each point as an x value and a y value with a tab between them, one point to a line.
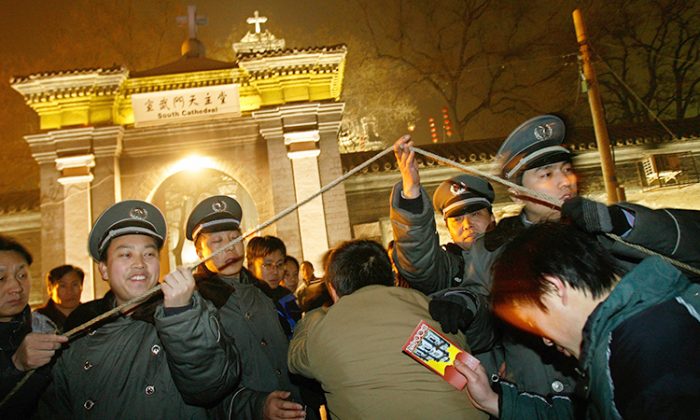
246	313
165	359
464	201
533	156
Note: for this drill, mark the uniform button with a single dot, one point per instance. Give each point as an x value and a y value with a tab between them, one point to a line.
87	365
263	343
278	372
150	389
155	349
557	386
89	404
248	315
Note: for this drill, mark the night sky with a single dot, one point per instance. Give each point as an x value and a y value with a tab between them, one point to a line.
55	35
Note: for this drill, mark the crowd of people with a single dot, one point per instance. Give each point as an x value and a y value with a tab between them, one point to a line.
254	334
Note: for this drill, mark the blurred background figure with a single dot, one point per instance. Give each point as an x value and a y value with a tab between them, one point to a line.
290	279
312	292
64	284
306	273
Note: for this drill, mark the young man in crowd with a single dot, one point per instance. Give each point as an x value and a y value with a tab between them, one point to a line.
636	338
165	358
266	256
247	314
64	284
354	347
312	293
21	349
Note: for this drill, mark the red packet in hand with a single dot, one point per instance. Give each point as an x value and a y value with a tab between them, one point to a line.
434	351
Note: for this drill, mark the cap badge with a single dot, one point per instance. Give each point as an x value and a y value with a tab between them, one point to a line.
458	188
138	213
218	206
543	132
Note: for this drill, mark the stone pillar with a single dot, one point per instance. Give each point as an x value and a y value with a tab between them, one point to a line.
330	167
106	185
77	221
303	151
309	133
281	180
68	191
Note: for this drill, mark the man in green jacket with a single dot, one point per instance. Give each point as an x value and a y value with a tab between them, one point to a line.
168	358
636	338
354	347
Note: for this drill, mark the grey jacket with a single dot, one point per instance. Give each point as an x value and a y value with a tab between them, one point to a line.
432	269
250	317
147	365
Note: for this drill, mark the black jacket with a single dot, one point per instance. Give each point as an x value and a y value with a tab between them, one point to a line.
23	403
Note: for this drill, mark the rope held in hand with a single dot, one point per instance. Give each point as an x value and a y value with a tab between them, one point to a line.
132	303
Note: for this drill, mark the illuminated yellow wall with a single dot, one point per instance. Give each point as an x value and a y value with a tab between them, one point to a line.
68	103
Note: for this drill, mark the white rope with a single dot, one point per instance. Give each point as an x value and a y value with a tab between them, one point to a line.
151	292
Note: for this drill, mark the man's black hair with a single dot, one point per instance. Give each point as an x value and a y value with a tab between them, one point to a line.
556	250
356	264
260	246
10	244
58	272
292	260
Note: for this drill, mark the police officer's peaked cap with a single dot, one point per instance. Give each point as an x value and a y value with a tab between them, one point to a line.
536	142
214	214
462	194
126	218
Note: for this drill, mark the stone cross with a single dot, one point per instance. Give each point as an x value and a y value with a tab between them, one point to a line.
192	20
256	20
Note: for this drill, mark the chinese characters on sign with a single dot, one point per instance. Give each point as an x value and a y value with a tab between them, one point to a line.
175	106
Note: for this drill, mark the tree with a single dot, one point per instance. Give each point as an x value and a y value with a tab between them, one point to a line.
478	58
651	50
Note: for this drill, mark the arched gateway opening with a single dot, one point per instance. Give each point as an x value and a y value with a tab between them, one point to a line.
177	196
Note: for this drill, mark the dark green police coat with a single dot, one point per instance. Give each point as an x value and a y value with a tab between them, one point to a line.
147	365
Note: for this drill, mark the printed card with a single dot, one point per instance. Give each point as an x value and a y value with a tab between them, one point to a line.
434	351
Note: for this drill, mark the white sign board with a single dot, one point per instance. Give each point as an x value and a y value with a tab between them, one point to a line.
174	106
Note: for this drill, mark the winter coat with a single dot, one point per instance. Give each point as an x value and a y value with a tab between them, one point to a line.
639	353
23	403
540	369
250	317
354	349
146	365
53	313
429	268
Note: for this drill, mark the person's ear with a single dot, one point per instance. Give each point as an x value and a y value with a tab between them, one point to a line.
557	288
103	270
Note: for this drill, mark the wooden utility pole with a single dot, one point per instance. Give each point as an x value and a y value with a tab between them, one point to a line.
599	125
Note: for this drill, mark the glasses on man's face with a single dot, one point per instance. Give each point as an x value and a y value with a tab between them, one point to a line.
273	266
